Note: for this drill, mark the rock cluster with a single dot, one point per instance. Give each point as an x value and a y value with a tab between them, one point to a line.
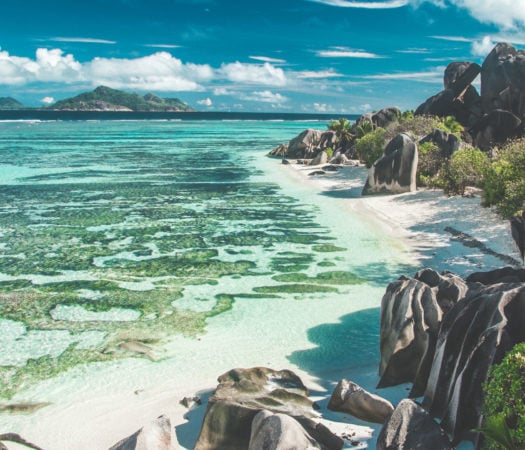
252	407
494	115
443	333
157	435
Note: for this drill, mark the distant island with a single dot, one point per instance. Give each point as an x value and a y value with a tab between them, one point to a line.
104	98
10	103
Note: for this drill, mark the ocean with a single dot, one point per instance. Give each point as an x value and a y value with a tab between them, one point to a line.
140	259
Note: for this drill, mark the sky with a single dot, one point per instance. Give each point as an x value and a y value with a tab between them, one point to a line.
313	56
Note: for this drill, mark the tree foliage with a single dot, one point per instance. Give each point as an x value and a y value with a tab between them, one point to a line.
430	165
504	406
504	186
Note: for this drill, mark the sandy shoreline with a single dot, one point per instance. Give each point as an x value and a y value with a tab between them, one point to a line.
426	221
418	220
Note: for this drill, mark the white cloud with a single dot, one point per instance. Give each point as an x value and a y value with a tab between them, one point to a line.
505	13
48	100
321	107
343	52
265	74
82	40
483	47
157	72
432	76
387	4
268	59
162	45
48	65
318	74
414	51
264	97
205	102
222	91
452	38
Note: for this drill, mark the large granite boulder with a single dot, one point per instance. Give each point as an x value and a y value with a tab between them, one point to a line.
411	427
305	145
475	334
395	171
321	158
381	118
503	80
351	398
495	127
281	150
279	432
327	140
459	98
411	313
157	435
242	393
448	143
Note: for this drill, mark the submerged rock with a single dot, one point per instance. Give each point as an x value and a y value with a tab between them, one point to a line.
157	435
353	399
411	427
395	171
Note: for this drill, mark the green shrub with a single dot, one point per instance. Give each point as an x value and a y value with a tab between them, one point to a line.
504	185
504	407
466	167
364	129
416	126
369	148
430	163
451	125
330	152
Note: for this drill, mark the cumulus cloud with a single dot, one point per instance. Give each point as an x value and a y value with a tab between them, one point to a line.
157	72
205	102
265	74
48	65
483	47
387	4
321	107
504	13
47	100
265	97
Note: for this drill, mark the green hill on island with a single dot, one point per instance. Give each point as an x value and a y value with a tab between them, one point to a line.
106	99
10	103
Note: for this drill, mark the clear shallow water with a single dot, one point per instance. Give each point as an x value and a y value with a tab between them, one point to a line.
154	248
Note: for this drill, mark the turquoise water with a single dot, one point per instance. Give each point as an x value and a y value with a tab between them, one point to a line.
152	246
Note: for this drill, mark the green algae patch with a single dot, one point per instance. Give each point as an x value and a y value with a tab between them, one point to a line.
326	264
331	278
327	248
294	289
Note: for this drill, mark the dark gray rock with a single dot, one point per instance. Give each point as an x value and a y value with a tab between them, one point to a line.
280	151
240	395
411	427
305	145
321	158
381	118
503	80
327	140
474	334
459	76
411	313
157	435
448	143
278	432
503	275
495	128
353	399
395	171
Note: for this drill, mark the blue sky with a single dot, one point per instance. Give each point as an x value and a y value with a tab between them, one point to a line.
260	55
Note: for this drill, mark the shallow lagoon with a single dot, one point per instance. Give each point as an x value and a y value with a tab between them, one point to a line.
173	247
